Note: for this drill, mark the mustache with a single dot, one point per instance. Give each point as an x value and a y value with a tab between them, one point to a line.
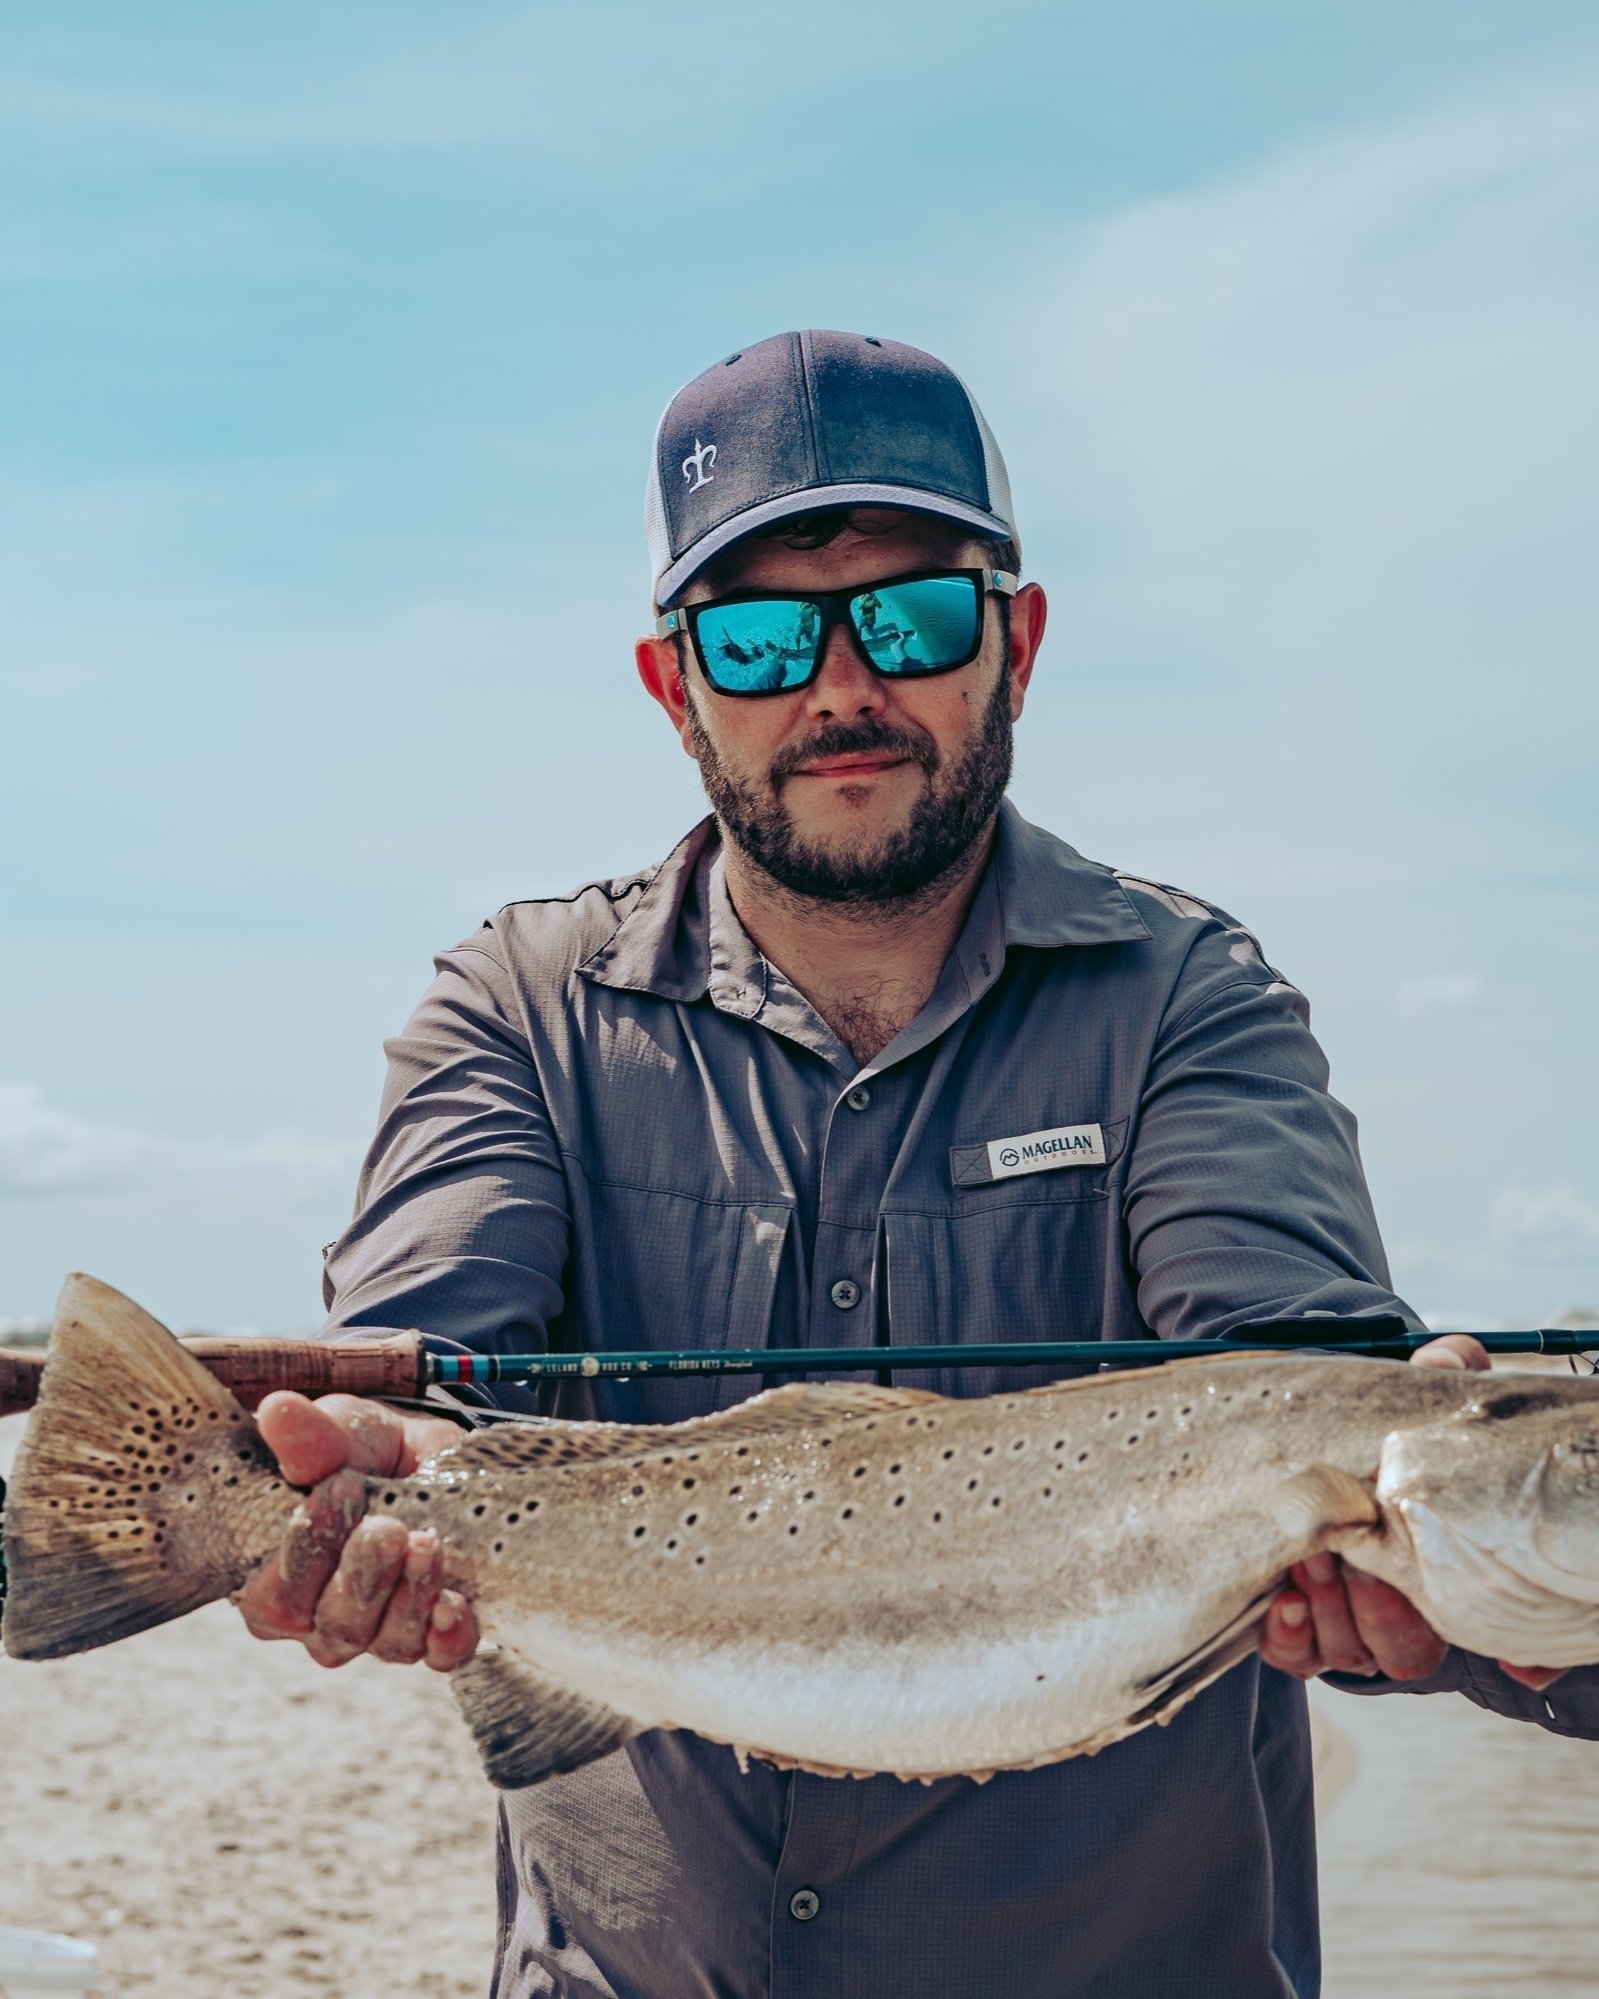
843	739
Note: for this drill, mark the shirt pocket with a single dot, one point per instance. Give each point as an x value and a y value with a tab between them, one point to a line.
656	1270
1034	1257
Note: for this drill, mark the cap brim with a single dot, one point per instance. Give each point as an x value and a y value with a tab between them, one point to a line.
820	499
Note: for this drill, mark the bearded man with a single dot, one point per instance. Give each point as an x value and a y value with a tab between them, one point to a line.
776	1090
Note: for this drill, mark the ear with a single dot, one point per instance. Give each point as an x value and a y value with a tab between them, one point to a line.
1029	611
659	663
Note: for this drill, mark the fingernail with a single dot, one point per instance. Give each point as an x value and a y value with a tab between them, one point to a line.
420	1554
1320	1568
1294	1615
446	1613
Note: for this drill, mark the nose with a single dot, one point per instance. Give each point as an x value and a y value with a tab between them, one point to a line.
845	687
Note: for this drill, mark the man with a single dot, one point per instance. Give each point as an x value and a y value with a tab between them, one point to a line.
789	1087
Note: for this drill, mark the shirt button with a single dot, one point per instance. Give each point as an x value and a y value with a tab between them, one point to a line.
845	1294
803	1904
859	1099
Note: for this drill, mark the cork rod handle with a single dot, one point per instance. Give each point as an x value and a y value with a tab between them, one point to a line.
254	1368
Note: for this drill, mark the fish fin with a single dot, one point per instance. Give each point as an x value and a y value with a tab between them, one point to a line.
1164	1693
799	1406
527	1728
99	1539
1319	1499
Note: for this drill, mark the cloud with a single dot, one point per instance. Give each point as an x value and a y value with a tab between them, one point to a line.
1546	1224
46	1150
1313	458
1447	992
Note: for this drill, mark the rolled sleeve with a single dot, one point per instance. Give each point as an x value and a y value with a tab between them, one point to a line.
1569	1707
462	1219
1245	1197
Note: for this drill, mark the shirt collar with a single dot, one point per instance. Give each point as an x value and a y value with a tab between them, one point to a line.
682	938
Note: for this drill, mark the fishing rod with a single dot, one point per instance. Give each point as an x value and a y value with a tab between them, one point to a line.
400	1367
445	1370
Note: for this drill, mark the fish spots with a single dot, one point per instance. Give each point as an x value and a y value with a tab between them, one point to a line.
752	1516
847	1513
735	1492
499	1547
972	1484
1082	1457
691	1520
996	1499
689	1484
1020	1444
636	1492
794	1527
859	1472
946	1455
938	1519
895	1470
1049	1492
671	1547
640	1531
899	1499
1131	1441
1113	1416
1151	1415
988	1450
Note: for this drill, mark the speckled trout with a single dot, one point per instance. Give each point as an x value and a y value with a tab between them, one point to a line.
849	1579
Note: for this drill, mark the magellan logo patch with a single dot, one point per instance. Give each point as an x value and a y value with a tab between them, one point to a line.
1043	1151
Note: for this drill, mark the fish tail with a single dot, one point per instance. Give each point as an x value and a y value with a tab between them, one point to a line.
142	1489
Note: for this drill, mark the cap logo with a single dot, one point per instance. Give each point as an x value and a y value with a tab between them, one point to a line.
695	466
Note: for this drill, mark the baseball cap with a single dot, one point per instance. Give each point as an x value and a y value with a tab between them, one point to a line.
814	420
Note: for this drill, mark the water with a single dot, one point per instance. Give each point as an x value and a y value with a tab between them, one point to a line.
1461	1857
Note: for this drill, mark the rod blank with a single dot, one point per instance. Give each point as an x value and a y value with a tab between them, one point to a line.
1393	1343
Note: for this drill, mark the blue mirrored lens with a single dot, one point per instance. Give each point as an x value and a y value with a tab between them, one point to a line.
918	627
760	647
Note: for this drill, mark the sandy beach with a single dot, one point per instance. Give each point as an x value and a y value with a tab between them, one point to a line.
222	1816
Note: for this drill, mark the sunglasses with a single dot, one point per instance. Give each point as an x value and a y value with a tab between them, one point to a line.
904	627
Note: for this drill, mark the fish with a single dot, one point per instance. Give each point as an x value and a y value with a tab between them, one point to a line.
845	1579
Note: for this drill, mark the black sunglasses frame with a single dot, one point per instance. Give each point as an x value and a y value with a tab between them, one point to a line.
833	606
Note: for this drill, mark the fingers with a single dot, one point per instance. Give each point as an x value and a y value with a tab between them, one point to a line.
1288	1641
1454	1350
1399	1639
280	1599
1339	1641
357	1598
1536	1677
308	1443
452	1632
402	1636
1334	1619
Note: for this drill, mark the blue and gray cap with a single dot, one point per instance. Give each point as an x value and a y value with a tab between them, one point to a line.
815	420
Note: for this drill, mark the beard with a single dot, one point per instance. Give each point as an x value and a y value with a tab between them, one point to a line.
952	815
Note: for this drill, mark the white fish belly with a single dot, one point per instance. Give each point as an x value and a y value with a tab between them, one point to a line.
972	1703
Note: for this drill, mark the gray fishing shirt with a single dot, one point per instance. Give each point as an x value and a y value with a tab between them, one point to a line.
612	1124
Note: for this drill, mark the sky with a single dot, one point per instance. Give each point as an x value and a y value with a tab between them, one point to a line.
332	341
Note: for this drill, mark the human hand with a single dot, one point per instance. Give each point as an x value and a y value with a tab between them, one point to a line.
341	1583
1336	1619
